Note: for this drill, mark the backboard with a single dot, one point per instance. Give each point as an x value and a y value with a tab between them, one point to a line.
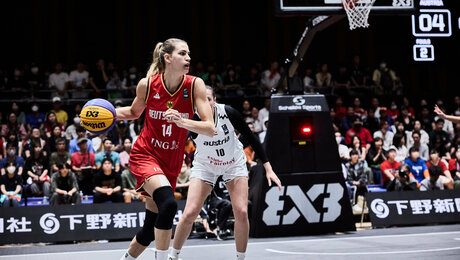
329	7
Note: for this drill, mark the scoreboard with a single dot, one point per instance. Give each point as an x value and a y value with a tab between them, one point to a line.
432	21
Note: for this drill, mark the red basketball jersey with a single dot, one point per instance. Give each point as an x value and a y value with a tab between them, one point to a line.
160	139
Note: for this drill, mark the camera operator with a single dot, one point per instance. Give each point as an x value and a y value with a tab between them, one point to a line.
403	180
435	181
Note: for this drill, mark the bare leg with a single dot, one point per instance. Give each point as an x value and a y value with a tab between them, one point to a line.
197	192
238	190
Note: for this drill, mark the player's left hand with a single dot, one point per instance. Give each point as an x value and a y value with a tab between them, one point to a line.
173	116
271	176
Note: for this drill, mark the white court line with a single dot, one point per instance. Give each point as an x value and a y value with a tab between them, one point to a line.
365	253
249	244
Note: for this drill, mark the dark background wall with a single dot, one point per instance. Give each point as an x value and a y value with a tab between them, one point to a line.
244	32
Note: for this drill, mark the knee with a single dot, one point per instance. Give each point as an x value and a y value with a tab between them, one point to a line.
190	214
167	207
240	212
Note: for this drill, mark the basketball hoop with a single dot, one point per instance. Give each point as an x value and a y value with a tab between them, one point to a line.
357	12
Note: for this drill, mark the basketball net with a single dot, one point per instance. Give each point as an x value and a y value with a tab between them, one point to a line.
358	12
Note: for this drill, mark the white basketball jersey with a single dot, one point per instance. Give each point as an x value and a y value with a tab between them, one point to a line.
221	149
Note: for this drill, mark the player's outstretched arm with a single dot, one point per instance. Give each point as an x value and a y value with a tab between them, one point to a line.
138	105
438	111
206	125
239	124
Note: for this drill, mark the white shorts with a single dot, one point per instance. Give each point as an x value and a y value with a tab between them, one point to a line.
209	173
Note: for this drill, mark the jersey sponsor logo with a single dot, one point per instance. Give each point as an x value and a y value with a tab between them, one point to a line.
218	142
165	145
222	116
185	94
155	114
303	204
225	128
157	96
217	162
170	104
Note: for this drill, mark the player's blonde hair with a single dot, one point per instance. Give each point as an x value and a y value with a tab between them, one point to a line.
158	63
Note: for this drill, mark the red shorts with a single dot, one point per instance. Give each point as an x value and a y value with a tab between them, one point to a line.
144	166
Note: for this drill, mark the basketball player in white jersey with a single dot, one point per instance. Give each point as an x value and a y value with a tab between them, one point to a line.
221	155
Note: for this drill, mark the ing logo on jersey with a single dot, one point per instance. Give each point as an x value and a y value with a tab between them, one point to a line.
225	128
185	94
170	104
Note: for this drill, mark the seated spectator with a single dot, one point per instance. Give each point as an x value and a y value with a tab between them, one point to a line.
375	157
246	110
79	79
35	139
50	122
454	168
183	181
128	184
439	134
37	170
254	119
401	149
344	153
406	119
360	131
220	204
434	180
59	81
323	77
64	187
271	77
125	152
11	187
357	176
51	141
107	184
71	130
436	161
84	164
403	180
347	119
448	125
12	126
424	137
118	134
35	118
423	148
417	165
389	167
12	140
61	114
73	146
11	156
385	133
356	145
108	153
371	122
20	115
61	156
189	151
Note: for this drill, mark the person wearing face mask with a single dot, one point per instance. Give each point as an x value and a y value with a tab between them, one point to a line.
71	130
34	78
360	131
35	119
37	169
12	157
343	149
11	187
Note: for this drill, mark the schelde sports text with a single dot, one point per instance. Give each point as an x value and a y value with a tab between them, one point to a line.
94	125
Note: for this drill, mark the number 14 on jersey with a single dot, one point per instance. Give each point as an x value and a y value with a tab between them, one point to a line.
166	129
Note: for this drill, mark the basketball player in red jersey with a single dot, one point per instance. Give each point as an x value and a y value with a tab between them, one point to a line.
168	96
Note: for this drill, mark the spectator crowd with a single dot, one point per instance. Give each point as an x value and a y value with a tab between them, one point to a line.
383	139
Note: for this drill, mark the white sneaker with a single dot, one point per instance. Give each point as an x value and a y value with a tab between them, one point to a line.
357	210
170	257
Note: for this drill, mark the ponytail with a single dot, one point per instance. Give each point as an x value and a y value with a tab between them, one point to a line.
158	63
